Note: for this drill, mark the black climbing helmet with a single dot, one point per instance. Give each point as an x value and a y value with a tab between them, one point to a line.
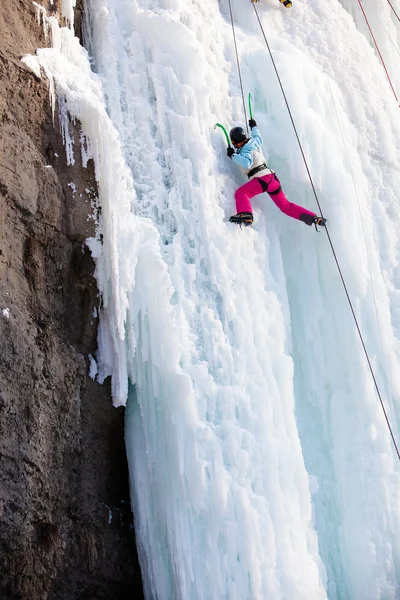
237	135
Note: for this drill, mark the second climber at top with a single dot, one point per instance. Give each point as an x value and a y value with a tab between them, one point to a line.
287	3
249	157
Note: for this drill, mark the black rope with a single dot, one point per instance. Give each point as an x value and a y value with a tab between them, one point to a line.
238	66
329	238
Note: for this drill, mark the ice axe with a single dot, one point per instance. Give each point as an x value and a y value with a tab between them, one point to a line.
228	141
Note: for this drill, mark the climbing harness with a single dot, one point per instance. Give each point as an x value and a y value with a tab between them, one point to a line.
266	185
257	170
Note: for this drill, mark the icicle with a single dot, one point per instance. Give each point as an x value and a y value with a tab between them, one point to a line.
67	11
64	124
41	17
86	152
52	95
52	24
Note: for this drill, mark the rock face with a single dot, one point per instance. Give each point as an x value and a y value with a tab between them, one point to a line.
65	521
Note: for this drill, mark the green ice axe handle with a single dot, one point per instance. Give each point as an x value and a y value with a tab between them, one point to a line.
250	109
225	132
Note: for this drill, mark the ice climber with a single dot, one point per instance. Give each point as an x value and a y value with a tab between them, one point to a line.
250	159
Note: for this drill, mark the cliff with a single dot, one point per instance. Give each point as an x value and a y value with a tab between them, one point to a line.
65	522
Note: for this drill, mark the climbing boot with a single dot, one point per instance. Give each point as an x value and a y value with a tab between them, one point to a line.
319	221
286	3
243	218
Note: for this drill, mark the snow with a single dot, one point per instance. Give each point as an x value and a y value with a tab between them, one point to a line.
32	63
41	17
92	367
6	313
67	11
261	465
72	185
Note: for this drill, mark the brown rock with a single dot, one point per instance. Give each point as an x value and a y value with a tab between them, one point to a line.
65	520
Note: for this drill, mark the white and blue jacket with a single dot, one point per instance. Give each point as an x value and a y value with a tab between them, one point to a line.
250	156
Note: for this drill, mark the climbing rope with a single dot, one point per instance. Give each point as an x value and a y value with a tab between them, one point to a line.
329	238
391	6
349	163
377	49
289	111
390	39
238	66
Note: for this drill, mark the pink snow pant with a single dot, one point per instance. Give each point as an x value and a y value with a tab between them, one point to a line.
253	187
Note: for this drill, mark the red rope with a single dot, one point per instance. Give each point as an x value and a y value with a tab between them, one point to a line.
390	4
376	46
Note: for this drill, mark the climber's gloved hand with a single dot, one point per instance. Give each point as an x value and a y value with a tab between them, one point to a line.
252	123
230	151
